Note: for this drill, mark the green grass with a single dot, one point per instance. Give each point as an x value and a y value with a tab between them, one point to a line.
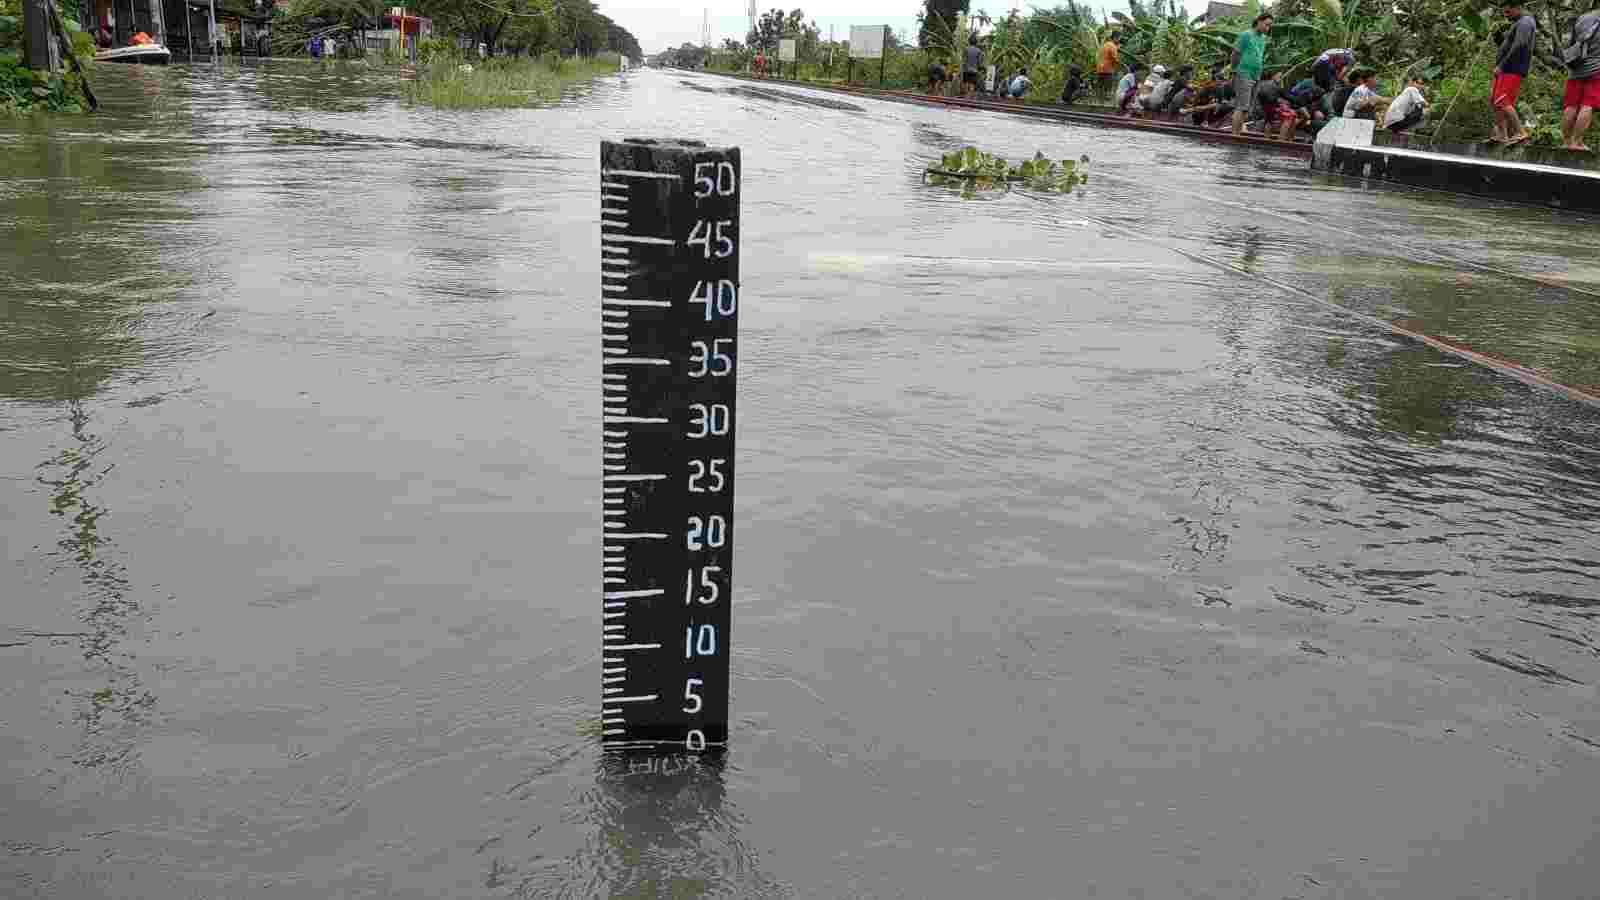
504	83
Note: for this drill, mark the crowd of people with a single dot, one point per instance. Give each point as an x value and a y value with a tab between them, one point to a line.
1246	92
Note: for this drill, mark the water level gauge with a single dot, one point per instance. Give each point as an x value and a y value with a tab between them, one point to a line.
669	300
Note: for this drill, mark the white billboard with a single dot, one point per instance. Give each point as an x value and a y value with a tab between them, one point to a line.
786	49
866	41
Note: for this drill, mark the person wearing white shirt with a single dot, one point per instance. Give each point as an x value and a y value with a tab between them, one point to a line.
1363	98
1408	108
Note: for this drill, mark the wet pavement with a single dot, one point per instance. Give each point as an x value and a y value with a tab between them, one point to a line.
1078	556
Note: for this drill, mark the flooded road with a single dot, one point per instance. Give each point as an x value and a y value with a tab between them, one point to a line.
1070	565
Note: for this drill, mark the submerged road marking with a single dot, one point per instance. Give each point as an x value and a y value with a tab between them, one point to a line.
1510	369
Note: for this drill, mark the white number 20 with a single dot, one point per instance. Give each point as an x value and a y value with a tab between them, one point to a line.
712	531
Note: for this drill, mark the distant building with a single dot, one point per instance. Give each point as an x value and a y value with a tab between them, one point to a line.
1215	11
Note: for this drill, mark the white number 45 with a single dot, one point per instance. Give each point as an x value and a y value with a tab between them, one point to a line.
706	231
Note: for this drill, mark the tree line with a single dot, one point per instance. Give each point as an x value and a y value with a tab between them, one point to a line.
516	27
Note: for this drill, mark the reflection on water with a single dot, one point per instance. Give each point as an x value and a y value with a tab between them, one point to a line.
657	827
1422	396
115	702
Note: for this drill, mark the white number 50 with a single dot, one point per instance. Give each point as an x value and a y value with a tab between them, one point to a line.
724	185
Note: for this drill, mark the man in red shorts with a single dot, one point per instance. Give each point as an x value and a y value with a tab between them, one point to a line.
1509	69
1582	57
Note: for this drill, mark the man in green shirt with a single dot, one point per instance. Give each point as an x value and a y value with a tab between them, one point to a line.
1249	54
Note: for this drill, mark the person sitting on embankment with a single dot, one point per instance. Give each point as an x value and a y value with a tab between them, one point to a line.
1364	99
1408	109
1128	87
1212	101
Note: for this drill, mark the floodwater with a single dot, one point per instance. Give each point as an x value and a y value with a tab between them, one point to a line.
1071	564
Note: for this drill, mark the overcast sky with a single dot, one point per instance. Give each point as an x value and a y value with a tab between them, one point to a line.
659	24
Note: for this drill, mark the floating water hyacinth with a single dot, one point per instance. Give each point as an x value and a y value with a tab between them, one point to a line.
971	169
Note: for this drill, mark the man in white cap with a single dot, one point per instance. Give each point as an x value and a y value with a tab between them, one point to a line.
1160	88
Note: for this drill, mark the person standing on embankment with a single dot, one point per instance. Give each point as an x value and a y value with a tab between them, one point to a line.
971	65
1105	69
1249	54
1582	57
1510	67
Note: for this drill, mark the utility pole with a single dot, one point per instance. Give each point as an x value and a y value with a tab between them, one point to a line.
43	53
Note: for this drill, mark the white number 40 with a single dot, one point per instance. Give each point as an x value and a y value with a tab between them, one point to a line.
705	232
724	185
721	297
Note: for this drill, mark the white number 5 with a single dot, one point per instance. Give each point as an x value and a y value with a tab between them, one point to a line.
694	699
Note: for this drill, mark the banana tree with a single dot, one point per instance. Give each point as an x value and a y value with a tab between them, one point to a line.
1367	28
1068	35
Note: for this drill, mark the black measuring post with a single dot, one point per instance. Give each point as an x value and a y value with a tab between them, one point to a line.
669	300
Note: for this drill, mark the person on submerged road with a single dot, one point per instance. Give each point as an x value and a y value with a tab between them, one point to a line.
971	65
1582	57
936	79
1510	67
1249	55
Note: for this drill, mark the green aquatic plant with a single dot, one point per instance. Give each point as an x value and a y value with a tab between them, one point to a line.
972	169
